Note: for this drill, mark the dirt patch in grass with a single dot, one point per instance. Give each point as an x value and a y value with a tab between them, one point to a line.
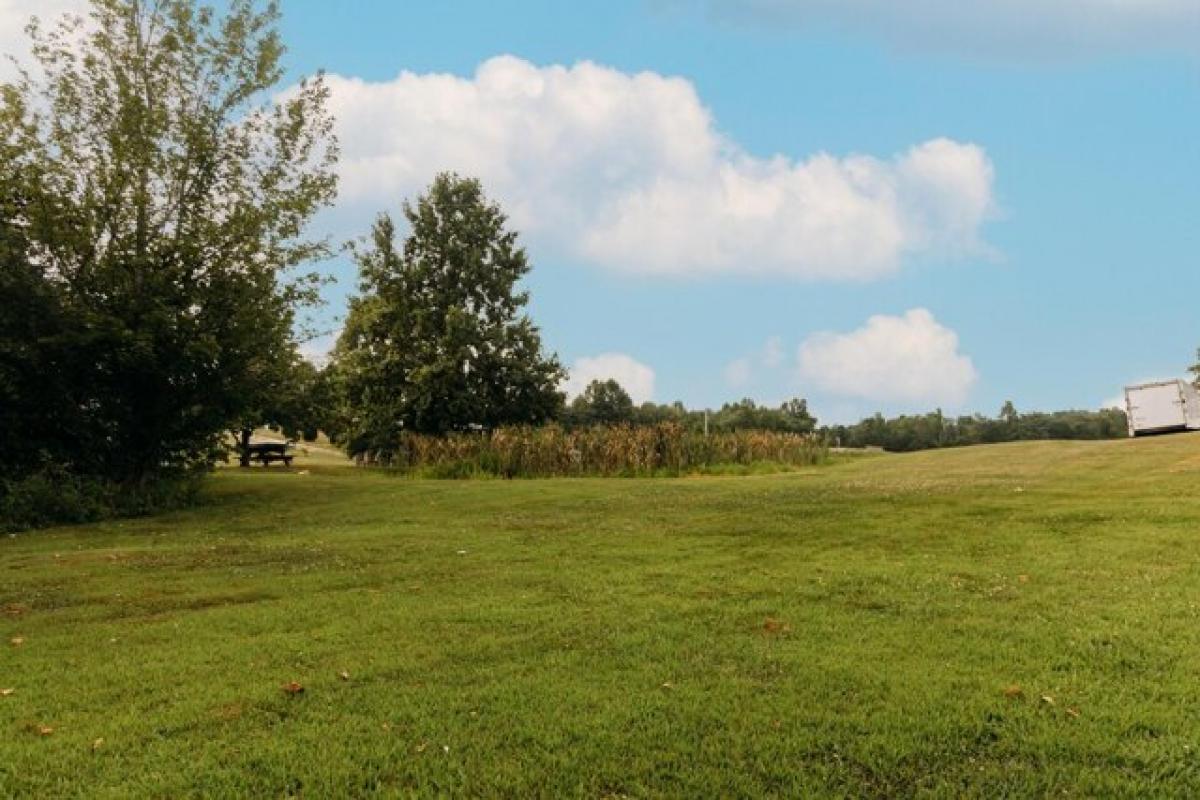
157	604
283	559
13	609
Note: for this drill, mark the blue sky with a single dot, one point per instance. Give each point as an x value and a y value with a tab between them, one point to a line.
949	205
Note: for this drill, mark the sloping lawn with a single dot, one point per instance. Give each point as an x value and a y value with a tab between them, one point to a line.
1008	620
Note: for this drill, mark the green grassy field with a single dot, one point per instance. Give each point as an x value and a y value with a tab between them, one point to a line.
1008	620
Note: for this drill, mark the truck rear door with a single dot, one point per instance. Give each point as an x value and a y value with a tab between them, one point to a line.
1156	408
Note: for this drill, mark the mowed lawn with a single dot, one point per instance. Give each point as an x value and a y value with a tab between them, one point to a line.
1008	620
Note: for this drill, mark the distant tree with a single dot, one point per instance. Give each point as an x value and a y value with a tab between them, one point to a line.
919	432
438	340
602	403
1010	419
792	417
154	201
650	413
742	415
796	417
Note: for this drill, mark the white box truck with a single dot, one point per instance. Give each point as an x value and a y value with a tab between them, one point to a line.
1162	407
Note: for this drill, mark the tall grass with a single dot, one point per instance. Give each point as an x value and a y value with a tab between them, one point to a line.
551	451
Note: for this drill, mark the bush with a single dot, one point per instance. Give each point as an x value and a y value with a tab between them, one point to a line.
528	452
52	496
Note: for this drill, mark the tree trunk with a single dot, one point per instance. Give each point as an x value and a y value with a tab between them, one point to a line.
244	447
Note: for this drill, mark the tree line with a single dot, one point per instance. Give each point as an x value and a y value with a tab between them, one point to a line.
926	431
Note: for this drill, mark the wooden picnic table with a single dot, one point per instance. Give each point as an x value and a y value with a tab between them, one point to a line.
266	452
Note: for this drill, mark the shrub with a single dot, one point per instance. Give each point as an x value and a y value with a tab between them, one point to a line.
53	496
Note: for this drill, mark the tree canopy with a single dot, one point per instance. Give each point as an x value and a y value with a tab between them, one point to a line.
601	403
924	431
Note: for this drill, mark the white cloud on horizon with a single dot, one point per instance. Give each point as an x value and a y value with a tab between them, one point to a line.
629	172
1042	29
738	372
773	353
908	359
635	377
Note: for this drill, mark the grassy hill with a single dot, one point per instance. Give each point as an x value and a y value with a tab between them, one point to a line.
1014	619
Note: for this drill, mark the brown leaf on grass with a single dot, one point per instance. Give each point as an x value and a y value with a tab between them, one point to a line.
1072	712
668	686
344	675
43	730
1013	691
1022	579
96	745
292	687
17	641
1047	699
774	627
6	692
421	747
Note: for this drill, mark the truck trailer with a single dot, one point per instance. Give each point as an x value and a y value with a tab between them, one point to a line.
1162	407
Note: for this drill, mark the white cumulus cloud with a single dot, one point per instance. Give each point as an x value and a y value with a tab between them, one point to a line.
635	377
629	171
740	371
907	359
998	28
773	353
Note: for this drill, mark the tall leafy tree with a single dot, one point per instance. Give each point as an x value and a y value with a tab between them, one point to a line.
154	201
601	403
439	340
795	416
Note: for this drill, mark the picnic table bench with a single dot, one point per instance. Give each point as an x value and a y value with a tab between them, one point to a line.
266	452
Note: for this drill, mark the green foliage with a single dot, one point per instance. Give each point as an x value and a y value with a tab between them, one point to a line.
607	403
153	201
54	496
921	432
550	451
600	403
438	341
792	417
